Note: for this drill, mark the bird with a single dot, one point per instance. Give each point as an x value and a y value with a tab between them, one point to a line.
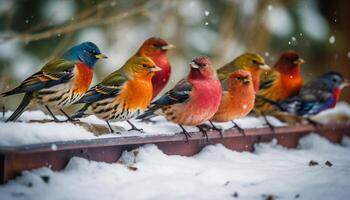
251	62
156	49
314	97
280	83
193	100
283	81
60	82
237	101
123	94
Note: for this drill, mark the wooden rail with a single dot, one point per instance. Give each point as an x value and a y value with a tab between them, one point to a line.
55	155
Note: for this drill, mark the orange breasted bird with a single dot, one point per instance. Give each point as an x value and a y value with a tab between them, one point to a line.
156	49
248	61
238	100
193	100
61	82
124	93
282	82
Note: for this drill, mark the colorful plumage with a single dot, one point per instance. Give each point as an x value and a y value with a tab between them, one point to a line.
61	82
193	100
123	94
282	82
238	100
156	49
248	61
314	97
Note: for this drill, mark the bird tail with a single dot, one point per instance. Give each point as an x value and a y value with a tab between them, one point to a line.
8	93
148	114
25	101
81	113
273	103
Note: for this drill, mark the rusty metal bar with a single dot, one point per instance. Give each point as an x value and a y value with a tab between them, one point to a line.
13	160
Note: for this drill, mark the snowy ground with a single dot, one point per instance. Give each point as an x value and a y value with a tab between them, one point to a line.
214	173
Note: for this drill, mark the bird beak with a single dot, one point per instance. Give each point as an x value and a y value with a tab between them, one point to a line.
156	69
299	61
345	84
168	47
246	80
194	65
101	56
264	67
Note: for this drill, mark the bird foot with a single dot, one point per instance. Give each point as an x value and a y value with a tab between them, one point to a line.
137	129
71	120
134	128
314	123
205	134
217	129
148	121
240	129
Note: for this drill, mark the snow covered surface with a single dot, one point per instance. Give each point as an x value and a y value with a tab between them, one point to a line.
215	173
21	133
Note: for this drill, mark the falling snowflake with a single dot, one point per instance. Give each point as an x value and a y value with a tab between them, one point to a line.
206	13
206	23
267	54
332	39
269	7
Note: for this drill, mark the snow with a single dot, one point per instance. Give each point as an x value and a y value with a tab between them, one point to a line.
215	173
332	39
19	133
313	23
279	21
26	132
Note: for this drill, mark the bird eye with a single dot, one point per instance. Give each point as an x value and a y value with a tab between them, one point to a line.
157	46
255	62
144	65
238	78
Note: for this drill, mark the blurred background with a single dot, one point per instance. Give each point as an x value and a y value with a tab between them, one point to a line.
33	31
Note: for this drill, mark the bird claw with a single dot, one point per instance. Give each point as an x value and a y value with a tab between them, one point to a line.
204	132
71	120
217	129
314	123
240	129
148	121
137	129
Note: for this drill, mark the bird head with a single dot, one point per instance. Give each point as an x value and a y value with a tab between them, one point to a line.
288	62
250	62
334	80
239	78
86	52
154	47
141	66
201	68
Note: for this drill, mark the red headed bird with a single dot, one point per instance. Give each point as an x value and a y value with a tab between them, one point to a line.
193	100
156	49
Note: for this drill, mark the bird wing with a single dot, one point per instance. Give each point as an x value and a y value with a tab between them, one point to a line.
268	78
53	73
312	98
109	87
179	94
224	72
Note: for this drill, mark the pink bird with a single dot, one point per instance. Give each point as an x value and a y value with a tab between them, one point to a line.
193	100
